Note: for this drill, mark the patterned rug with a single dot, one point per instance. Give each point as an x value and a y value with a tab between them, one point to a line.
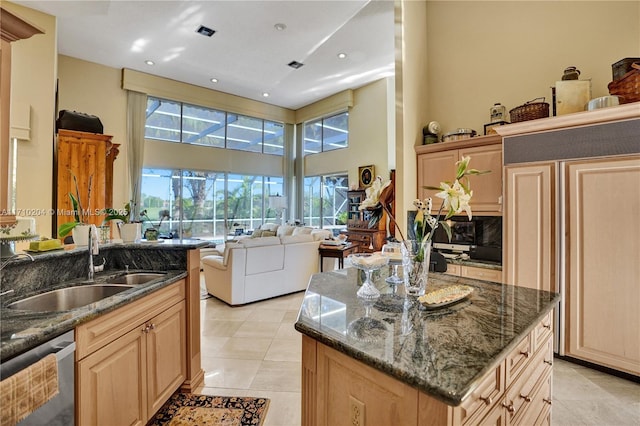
184	409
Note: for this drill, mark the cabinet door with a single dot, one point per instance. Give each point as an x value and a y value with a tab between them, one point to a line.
434	168
166	357
112	383
487	188
603	289
528	253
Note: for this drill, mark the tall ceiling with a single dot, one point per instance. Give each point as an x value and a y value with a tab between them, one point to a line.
247	54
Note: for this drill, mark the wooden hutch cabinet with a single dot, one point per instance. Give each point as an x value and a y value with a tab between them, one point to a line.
85	156
367	239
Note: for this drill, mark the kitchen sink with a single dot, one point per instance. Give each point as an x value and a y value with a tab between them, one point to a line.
65	299
136	278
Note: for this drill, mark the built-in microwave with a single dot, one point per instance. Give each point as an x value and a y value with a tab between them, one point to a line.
479	238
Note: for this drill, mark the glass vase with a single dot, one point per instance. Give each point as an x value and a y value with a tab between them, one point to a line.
416	257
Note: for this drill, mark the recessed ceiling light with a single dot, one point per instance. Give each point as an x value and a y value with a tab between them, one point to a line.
214	80
342	55
280	27
295	64
205	31
149	62
265	95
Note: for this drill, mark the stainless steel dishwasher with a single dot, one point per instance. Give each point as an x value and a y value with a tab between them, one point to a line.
59	410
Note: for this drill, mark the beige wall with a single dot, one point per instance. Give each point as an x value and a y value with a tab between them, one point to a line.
511	52
368	138
95	89
33	76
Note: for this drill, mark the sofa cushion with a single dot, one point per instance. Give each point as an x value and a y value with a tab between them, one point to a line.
302	230
285	230
266	233
292	239
257	233
257	242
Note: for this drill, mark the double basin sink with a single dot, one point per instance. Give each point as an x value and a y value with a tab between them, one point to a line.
65	299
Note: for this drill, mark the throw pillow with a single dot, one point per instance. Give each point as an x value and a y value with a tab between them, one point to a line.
257	233
285	230
268	233
269	227
301	230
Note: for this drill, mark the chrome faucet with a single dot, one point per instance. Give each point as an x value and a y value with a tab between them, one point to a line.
91	270
15	256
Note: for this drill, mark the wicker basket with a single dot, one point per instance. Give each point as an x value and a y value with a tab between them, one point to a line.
531	110
628	87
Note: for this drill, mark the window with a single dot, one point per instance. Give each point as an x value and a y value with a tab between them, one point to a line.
326	134
325	201
207	205
177	122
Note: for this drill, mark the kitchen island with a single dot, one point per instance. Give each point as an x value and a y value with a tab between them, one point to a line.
485	359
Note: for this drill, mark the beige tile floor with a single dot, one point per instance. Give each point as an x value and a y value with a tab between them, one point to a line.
253	350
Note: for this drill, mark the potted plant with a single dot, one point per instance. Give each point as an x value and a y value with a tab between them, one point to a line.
152	232
130	230
80	225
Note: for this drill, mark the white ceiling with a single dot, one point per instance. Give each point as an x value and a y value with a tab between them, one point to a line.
247	54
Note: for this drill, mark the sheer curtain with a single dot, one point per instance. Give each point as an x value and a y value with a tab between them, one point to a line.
136	117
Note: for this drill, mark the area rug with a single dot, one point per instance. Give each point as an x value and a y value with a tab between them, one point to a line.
184	409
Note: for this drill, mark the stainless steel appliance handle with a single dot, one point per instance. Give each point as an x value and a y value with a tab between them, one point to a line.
65	350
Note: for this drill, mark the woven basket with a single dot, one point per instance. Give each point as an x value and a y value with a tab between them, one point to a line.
531	110
628	87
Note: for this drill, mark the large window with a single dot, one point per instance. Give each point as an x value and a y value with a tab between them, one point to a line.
206	205
178	122
326	134
325	201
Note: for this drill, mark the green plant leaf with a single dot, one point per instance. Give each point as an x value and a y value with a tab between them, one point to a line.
74	203
446	228
65	228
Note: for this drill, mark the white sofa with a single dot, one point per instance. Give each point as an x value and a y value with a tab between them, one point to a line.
255	269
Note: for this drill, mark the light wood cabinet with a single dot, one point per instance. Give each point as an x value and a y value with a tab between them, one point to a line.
528	251
87	156
339	390
474	272
603	286
131	360
436	163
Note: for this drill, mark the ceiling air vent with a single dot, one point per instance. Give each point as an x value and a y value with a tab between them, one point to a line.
295	64
205	31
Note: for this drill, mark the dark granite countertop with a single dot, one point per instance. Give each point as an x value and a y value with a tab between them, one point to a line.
442	352
20	330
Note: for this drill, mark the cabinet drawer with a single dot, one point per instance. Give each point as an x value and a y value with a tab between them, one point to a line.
543	330
483	398
522	394
453	269
481	273
106	328
518	358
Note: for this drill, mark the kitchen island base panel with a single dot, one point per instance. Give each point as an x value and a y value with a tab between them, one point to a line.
340	390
